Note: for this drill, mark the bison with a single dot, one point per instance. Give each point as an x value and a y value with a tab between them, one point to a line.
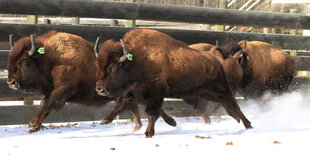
61	67
267	68
232	69
152	65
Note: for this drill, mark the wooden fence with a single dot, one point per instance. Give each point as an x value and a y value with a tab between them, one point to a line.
155	12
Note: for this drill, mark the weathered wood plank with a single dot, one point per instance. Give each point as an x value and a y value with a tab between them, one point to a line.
280	41
302	63
73	113
155	12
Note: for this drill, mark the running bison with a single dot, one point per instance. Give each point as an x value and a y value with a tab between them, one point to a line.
152	65
232	69
267	68
61	67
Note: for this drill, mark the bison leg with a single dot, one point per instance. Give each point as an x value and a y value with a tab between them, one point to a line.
233	109
37	120
200	107
136	115
119	105
169	120
150	131
128	104
152	110
131	105
55	101
218	109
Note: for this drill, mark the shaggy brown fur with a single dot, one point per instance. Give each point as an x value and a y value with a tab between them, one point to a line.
65	73
268	68
233	70
163	67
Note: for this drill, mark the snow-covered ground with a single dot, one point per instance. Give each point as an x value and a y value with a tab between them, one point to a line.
281	127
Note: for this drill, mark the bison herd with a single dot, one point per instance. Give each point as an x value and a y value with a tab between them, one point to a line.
144	67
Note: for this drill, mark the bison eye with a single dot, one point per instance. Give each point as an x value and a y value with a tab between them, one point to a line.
26	63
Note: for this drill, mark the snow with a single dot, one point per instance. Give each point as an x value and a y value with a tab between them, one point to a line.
281	126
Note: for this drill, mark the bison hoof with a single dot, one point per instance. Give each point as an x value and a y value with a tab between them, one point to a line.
149	135
138	127
33	128
238	120
104	121
172	123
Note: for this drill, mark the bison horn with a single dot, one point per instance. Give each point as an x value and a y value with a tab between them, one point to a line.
11	40
33	45
123	58
96	46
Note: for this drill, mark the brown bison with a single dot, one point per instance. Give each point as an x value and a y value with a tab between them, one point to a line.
267	68
232	69
230	64
152	65
61	67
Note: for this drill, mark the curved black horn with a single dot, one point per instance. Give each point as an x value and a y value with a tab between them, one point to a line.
123	58
33	45
11	40
96	46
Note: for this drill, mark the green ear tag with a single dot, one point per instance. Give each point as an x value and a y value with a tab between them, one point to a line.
247	57
129	56
41	50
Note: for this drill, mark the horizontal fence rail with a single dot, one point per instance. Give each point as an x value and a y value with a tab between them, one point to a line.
281	41
155	12
75	112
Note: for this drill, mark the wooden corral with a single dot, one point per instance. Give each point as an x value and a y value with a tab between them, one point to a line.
155	12
282	41
142	11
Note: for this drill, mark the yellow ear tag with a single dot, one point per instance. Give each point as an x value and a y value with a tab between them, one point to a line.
41	50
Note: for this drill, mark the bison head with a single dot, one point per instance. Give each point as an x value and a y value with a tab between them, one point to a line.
113	77
235	50
23	64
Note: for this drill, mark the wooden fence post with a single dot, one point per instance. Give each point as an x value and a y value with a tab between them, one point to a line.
294	32
222	5
75	21
131	23
32	19
28	100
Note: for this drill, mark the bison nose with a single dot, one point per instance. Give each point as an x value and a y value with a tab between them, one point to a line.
12	84
102	91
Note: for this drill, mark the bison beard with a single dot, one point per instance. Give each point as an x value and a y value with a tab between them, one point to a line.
163	67
64	72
